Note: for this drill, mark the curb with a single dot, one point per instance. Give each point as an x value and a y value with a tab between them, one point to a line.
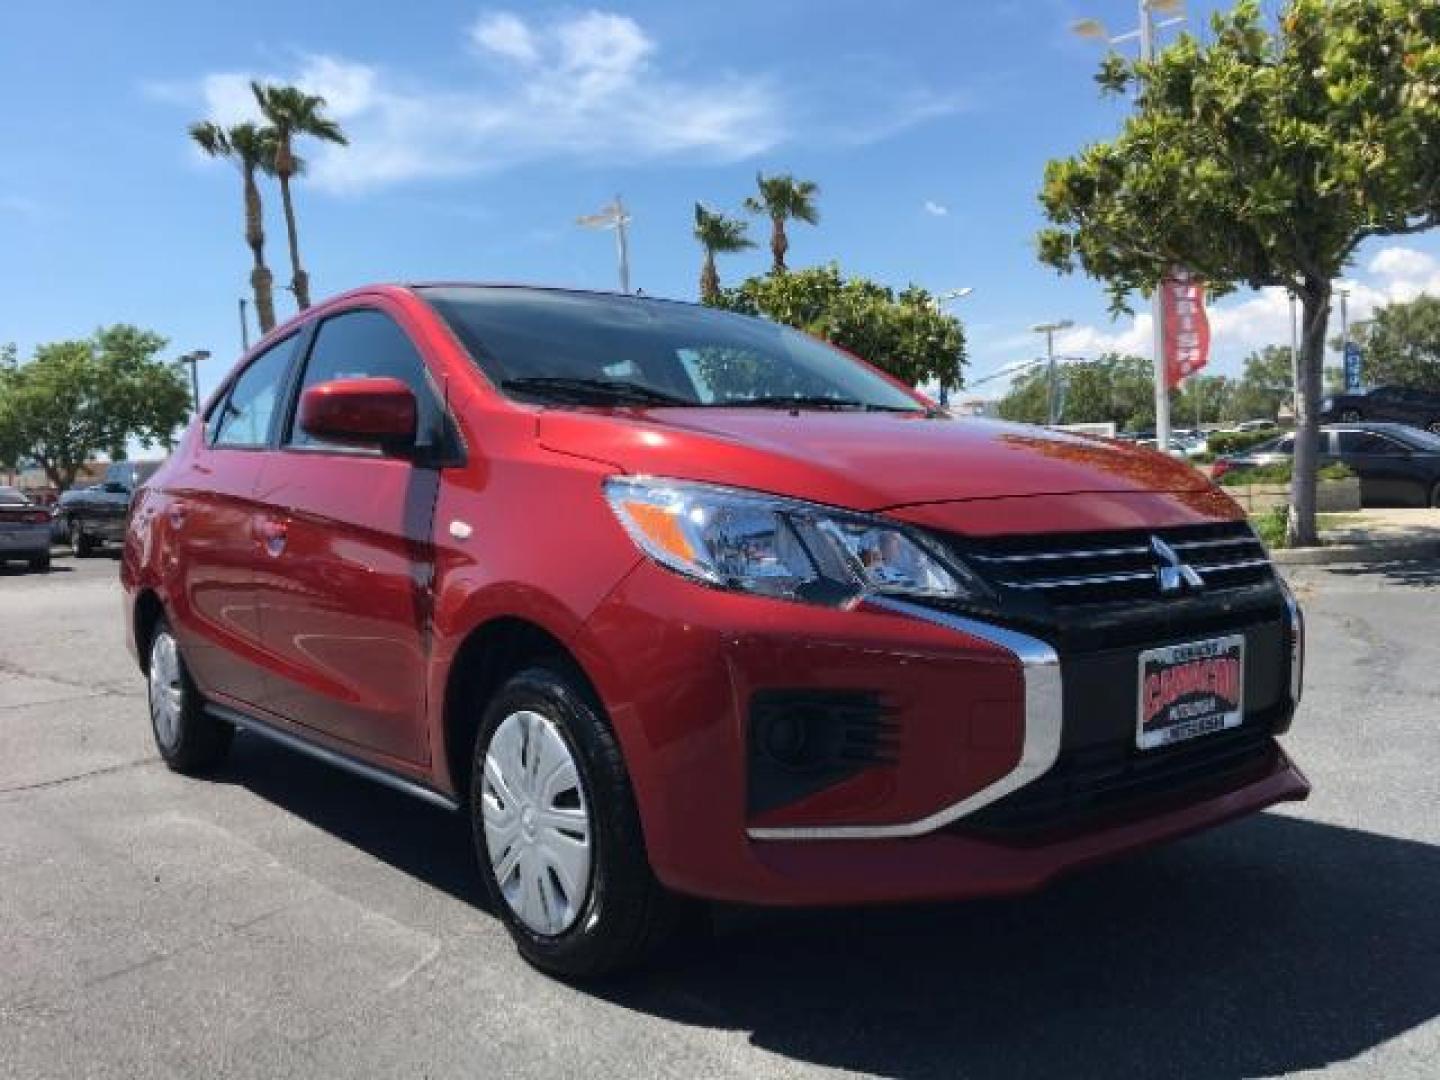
1384	551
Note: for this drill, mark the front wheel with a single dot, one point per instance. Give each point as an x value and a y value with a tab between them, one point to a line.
81	544
189	739
41	563
557	833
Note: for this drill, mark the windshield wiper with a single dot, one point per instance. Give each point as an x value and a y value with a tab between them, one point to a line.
574	387
806	401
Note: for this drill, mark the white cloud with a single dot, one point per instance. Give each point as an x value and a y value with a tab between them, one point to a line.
589	85
1241	322
505	35
935	209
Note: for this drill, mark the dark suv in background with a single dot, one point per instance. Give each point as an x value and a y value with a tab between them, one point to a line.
92	515
1418	408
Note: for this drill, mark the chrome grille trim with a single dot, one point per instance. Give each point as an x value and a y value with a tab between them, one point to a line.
1044	721
1119	565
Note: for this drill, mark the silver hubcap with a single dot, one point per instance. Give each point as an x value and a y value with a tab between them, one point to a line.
167	692
537	823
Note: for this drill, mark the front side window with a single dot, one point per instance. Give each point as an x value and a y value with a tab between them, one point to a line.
368	344
1285	444
595	349
244	417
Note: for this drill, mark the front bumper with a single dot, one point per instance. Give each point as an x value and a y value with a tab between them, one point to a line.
981	715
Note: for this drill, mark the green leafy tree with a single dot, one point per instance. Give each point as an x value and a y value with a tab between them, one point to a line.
1262	156
77	399
1202	399
252	149
783	199
292	113
718	234
1116	388
902	333
1401	345
1265	385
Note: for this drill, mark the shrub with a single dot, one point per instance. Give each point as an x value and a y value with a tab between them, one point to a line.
1237	442
1279	473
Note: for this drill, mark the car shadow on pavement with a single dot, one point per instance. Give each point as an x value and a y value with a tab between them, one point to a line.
1424	573
1268	946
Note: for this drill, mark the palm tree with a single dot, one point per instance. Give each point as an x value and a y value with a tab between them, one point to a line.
783	198
718	234
292	112
252	149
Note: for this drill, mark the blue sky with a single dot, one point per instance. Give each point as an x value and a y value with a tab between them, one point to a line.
480	132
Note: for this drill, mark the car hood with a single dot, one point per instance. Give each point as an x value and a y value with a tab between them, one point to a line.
864	461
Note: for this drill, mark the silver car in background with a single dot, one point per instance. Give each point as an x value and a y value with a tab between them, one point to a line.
24	530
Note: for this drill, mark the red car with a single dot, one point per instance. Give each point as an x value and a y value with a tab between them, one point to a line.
676	604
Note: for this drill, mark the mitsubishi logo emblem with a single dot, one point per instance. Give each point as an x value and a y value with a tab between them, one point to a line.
1172	575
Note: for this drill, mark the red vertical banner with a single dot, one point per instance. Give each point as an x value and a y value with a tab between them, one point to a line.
1187	329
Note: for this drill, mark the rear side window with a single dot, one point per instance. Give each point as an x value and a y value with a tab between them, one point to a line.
1363	442
248	410
369	344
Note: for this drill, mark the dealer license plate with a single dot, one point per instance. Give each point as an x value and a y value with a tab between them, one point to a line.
1190	690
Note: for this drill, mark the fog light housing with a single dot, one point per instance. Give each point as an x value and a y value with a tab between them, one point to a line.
803	741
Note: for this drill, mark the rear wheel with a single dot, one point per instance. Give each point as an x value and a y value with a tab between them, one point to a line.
188	738
41	563
557	833
81	544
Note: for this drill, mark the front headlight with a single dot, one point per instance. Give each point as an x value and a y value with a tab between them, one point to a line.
780	547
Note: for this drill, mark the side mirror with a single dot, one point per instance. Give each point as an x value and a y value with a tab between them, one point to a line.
361	412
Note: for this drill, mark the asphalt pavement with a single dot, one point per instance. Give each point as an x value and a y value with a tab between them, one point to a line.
283	919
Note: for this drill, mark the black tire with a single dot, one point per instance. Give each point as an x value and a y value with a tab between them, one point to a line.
626	914
197	741
41	563
81	544
1350	416
1433	427
1435	496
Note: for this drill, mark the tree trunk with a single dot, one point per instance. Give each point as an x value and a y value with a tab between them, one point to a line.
709	279
299	280
1300	528
260	277
779	243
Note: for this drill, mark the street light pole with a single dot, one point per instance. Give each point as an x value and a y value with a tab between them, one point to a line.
939	303
1146	33
1157	303
614	217
244	328
193	360
1052	398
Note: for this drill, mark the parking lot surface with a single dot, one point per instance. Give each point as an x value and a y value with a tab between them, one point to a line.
284	919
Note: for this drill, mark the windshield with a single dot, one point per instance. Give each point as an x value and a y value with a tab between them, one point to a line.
591	348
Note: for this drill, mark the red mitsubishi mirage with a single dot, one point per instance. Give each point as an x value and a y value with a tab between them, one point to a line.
677	604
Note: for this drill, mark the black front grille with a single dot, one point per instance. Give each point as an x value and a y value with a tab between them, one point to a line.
1113	777
1063	570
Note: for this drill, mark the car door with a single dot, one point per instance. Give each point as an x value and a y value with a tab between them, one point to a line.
210	519
1387	475
344	587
